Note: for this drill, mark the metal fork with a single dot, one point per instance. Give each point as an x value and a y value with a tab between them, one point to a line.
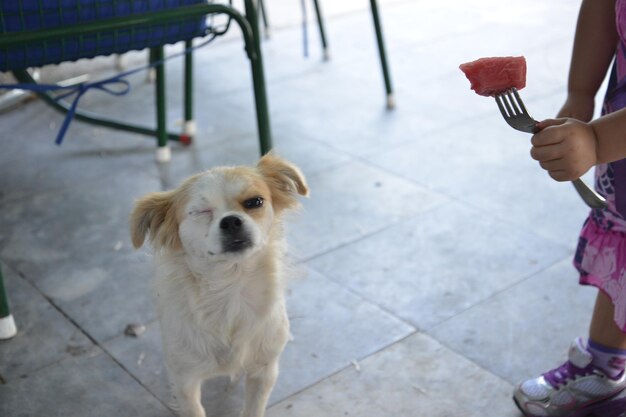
515	114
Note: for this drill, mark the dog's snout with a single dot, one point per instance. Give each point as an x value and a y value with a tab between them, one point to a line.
234	236
231	224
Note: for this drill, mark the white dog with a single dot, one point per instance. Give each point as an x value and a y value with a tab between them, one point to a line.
219	276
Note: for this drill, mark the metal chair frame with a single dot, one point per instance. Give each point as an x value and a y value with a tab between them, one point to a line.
250	31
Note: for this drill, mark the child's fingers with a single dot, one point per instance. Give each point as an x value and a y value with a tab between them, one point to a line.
545	153
560	175
557	169
549	134
552	165
550	122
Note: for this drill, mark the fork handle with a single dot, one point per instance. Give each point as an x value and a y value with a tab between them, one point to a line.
589	196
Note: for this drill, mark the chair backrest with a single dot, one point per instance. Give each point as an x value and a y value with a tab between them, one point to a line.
19	16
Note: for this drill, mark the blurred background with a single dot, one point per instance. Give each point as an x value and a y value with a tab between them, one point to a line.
433	257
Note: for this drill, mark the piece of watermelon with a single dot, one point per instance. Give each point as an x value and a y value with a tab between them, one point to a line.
491	76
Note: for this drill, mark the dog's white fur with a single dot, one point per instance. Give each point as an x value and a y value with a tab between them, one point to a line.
220	298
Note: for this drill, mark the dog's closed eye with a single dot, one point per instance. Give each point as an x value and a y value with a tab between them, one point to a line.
201	212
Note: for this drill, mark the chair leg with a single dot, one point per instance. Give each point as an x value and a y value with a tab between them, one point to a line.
320	24
266	22
7	323
163	153
258	79
383	57
189	125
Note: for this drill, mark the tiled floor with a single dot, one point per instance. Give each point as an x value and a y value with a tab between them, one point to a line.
433	254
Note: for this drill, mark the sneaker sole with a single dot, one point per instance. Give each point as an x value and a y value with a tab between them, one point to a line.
614	407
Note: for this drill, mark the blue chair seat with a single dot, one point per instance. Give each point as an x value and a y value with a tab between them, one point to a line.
18	16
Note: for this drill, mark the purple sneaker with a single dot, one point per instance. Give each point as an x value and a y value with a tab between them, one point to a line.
574	389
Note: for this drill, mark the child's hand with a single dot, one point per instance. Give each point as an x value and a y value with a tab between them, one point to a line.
578	106
566	148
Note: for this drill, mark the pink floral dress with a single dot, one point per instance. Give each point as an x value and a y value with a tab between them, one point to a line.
601	254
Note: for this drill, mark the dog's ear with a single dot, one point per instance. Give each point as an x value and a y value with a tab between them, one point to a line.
155	214
284	179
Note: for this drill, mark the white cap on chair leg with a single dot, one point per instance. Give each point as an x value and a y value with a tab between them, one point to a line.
7	327
189	128
151	76
391	102
326	54
163	154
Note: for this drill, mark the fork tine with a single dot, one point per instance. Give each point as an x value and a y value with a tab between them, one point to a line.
520	103
501	106
513	102
510	111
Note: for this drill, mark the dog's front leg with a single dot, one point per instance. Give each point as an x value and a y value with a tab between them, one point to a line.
259	386
187	393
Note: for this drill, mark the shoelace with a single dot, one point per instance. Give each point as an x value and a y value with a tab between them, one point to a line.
559	376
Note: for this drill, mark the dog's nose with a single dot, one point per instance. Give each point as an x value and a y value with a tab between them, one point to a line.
231	224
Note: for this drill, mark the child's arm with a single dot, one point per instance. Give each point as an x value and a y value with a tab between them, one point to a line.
567	148
594	47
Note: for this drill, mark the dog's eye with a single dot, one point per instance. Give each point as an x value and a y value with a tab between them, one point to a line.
252	203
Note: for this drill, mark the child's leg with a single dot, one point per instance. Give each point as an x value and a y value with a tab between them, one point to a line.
607	342
603	329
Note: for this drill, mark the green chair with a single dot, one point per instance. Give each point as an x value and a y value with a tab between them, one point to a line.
36	32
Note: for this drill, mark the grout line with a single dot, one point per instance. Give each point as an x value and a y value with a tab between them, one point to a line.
374	232
362	297
340	370
497	293
291	396
455	198
88	336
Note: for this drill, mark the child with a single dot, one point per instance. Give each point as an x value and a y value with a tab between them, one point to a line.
593	379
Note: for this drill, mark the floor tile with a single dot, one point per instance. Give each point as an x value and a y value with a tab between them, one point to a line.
295	145
74	224
439	263
84	386
74	246
142	357
526	329
44	337
331	328
34	164
415	377
352	201
292	144
106	295
491	169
